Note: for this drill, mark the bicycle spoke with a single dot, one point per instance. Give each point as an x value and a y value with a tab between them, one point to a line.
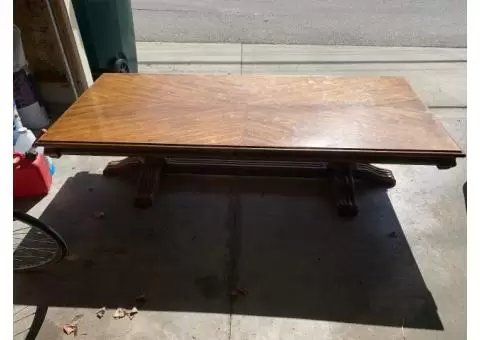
20	229
34	243
25	239
25	256
35	249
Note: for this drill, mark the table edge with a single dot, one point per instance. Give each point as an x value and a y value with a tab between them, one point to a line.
439	158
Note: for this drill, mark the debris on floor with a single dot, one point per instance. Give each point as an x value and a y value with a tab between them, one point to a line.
99	214
72	326
69	329
131	313
122	312
119	313
101	312
392	234
239	292
72	257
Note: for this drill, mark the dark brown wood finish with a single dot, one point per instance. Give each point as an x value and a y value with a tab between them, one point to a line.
375	119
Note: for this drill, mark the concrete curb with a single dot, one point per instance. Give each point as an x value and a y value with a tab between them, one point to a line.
156	52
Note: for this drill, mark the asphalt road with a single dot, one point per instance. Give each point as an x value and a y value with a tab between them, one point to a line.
439	23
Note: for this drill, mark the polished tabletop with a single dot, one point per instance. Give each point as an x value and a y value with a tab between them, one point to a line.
317	113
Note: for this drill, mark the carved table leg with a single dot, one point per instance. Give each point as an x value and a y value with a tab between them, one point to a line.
147	184
149	173
344	176
123	167
374	175
344	187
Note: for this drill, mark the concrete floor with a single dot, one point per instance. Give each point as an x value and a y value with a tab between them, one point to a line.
398	271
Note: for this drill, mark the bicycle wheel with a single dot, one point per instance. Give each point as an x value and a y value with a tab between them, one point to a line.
34	243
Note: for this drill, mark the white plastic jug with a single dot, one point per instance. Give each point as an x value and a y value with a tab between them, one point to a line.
25	140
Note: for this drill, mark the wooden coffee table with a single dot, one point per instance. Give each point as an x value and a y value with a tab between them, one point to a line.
333	126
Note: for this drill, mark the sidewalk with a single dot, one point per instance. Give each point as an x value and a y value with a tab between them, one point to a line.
438	75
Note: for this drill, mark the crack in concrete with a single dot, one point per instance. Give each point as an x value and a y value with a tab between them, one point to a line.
233	225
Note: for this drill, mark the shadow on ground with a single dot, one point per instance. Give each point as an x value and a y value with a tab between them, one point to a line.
24	204
278	240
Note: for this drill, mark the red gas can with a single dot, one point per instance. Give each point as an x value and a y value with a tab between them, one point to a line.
31	175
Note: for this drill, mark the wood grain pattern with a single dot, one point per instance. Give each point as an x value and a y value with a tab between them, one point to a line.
368	115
